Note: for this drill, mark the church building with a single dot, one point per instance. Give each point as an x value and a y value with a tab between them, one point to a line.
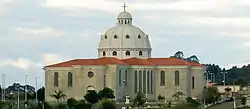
125	65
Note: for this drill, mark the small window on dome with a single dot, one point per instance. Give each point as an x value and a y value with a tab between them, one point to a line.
104	53
127	53
105	36
115	36
127	36
114	53
140	53
139	36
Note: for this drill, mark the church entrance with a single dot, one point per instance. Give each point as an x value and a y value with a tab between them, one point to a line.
90	88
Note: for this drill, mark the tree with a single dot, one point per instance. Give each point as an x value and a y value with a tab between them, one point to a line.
71	103
92	97
58	95
193	58
177	95
106	93
41	94
140	99
178	55
211	94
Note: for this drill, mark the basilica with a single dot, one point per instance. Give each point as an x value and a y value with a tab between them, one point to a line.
125	65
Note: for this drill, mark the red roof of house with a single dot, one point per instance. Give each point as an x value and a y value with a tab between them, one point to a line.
130	61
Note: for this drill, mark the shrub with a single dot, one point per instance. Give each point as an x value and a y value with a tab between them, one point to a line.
108	104
71	103
61	106
92	97
82	105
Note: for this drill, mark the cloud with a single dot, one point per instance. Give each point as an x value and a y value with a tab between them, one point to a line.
51	58
40	31
5	5
22	63
113	6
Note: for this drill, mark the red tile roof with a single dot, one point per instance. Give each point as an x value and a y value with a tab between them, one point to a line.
130	61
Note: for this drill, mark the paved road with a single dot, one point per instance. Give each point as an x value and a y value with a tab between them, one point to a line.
226	105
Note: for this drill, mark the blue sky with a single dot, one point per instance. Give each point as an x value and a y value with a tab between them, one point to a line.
35	33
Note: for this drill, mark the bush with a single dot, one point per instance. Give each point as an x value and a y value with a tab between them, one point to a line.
61	106
191	101
108	104
92	97
71	103
82	105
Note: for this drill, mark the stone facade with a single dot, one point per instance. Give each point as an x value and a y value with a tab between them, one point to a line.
108	76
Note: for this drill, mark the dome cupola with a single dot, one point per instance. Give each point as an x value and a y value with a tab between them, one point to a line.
124	40
124	17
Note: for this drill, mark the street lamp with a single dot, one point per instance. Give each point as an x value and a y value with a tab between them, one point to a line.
224	77
3	86
26	77
36	89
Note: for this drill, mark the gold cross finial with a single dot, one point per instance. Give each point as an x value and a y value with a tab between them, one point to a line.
124	6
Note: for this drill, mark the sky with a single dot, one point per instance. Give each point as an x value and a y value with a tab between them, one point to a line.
35	33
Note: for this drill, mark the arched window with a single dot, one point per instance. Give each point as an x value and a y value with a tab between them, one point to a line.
127	36
56	81
105	36
127	53
104	53
193	82
177	78
115	36
162	78
114	53
70	79
140	53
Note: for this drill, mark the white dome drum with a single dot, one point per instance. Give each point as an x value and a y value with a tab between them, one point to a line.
124	40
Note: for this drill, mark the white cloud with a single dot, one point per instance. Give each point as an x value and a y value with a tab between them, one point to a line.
113	6
5	5
41	31
22	63
51	58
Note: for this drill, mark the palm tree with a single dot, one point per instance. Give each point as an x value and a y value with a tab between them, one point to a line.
58	95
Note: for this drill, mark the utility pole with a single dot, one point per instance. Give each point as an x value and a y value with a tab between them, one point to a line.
224	77
3	87
26	77
36	89
18	97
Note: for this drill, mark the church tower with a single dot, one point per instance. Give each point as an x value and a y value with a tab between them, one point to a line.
124	40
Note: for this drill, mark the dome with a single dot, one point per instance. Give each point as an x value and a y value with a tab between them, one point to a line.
124	15
124	36
124	40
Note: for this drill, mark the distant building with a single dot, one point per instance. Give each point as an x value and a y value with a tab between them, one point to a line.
125	65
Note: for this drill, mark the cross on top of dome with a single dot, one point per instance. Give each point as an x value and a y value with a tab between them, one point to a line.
124	7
